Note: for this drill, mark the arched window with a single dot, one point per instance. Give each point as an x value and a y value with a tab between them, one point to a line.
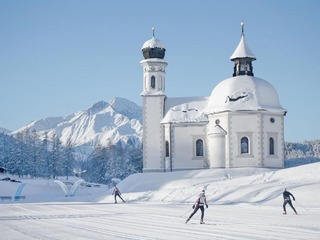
244	145
271	146
153	81
199	148
167	149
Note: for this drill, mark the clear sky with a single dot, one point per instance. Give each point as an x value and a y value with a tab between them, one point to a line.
59	57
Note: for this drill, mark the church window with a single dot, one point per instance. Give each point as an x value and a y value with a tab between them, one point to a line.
153	82
199	148
167	149
244	145
271	146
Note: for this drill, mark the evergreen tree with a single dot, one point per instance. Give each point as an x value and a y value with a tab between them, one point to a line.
55	164
97	165
16	161
34	151
68	159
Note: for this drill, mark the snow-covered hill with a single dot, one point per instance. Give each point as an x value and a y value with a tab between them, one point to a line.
226	186
103	123
223	186
4	130
244	203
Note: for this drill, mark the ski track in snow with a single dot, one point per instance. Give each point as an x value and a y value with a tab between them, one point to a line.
142	220
244	204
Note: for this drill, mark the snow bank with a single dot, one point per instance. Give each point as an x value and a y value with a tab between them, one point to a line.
225	186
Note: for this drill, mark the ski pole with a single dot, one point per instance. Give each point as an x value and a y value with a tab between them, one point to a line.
186	212
302	206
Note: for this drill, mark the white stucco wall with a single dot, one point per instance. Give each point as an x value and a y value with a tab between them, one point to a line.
245	125
183	147
275	129
153	149
216	151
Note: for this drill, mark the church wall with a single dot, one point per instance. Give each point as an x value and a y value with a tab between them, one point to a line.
273	128
244	125
183	147
258	127
153	154
216	143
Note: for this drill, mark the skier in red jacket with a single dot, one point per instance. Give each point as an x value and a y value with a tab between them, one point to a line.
201	201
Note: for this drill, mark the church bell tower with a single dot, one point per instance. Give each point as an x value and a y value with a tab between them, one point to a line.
153	100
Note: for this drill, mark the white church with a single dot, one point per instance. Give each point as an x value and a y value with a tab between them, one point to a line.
240	125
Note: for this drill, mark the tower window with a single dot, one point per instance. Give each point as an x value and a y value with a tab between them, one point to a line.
199	148
153	82
167	149
271	146
244	145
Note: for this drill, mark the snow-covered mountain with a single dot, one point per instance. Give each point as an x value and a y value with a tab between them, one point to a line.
4	130
103	123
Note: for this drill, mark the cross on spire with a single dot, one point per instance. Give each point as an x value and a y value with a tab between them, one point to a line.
242	28
153	30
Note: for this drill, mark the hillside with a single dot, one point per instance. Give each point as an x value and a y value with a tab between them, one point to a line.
226	186
243	204
223	186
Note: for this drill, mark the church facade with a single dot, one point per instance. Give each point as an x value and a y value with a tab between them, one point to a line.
240	125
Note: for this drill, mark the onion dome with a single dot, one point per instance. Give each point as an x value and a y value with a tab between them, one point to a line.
153	48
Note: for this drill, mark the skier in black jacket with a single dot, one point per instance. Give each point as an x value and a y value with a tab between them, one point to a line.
116	192
287	199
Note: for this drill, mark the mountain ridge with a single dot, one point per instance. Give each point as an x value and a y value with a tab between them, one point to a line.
104	123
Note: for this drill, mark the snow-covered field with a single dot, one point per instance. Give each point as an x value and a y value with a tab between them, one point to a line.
243	204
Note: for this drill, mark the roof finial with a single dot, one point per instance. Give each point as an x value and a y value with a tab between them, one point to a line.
153	30
242	28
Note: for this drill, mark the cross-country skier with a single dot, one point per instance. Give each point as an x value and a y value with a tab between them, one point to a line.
287	199
201	201
116	192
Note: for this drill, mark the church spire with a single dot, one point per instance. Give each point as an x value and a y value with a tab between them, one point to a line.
242	57
242	28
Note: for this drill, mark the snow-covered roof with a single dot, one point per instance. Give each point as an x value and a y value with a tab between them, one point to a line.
244	93
217	130
153	43
146	93
185	110
242	50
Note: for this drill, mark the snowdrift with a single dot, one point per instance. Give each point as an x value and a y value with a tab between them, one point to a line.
223	186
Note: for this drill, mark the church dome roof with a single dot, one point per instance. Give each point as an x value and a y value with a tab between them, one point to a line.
244	93
153	43
153	48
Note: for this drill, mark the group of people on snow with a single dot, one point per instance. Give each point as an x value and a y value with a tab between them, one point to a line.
201	202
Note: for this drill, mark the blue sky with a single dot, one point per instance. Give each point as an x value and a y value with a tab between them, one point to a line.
59	57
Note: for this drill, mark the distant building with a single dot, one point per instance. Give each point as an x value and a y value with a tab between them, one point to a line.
240	125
